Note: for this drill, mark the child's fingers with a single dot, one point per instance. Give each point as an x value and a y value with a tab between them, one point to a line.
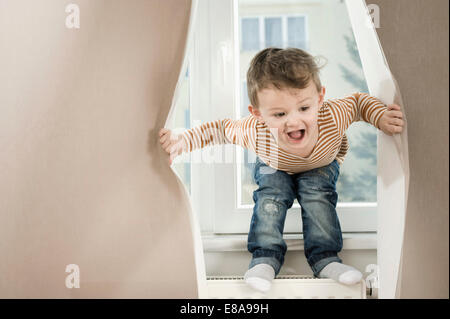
397	114
394	129
169	137
394	107
163	131
396	122
164	138
167	145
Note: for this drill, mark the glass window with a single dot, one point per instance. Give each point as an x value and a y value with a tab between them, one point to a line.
250	34
296	32
273	32
247	158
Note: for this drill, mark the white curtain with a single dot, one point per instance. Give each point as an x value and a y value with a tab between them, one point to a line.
393	161
193	218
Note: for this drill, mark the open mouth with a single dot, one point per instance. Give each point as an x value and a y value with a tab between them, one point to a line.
296	136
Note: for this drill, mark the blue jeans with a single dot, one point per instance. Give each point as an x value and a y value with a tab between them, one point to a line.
316	193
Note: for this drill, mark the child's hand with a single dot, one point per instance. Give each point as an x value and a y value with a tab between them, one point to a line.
392	120
171	143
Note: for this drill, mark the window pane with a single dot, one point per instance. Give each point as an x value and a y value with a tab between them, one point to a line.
245	101
333	39
296	32
358	179
273	32
248	159
250	34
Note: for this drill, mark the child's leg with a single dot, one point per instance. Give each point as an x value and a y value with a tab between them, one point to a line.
274	196
321	229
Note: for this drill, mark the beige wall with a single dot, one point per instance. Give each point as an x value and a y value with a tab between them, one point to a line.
414	37
83	179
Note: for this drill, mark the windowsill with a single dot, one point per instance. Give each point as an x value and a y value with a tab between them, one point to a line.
237	243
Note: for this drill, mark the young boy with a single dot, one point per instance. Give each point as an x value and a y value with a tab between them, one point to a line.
300	142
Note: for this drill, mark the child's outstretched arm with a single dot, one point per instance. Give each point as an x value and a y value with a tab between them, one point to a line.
362	106
240	132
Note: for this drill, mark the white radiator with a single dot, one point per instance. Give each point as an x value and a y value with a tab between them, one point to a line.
289	287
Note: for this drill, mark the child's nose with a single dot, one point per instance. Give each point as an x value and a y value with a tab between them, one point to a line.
293	120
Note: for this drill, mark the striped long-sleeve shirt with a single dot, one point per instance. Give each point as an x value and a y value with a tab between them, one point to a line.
335	116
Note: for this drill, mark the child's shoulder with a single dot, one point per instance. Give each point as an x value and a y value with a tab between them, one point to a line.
343	100
247	122
337	108
250	120
344	104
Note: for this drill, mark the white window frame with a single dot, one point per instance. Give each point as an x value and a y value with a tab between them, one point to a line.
215	82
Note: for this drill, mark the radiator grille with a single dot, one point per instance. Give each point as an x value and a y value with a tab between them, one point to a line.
242	278
284	287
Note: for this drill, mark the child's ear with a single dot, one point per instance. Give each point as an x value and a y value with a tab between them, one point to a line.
322	96
255	112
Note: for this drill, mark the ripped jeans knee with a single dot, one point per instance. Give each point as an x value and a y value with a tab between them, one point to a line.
266	230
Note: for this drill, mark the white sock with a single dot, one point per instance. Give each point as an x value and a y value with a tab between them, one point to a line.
341	273
260	277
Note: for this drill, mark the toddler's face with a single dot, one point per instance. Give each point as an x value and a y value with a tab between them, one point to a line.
293	113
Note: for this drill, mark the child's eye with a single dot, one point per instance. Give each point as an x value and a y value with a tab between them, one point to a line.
279	114
304	108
